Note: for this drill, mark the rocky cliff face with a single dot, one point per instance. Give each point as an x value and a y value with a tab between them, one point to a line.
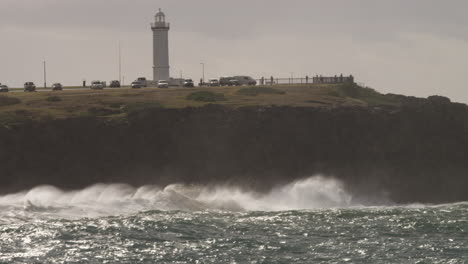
414	153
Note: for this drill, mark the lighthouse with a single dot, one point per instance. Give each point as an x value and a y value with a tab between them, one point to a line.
160	47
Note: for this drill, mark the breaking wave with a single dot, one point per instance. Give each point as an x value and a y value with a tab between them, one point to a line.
116	199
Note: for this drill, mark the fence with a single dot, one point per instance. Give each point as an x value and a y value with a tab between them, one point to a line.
306	80
283	81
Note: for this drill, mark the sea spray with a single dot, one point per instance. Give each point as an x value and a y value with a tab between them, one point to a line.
312	193
108	199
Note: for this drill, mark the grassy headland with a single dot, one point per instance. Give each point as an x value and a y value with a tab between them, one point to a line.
116	103
405	148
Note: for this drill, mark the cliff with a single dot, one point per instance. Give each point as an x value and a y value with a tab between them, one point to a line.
411	151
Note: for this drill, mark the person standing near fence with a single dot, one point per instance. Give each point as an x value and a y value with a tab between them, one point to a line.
307	79
271	82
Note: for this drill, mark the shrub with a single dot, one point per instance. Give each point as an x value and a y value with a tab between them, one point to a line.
54	99
5	100
254	91
205	96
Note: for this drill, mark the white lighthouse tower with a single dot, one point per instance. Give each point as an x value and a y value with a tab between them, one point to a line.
160	47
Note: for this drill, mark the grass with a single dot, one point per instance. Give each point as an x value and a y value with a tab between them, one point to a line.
117	103
368	95
101	111
13	118
54	99
254	91
334	94
206	96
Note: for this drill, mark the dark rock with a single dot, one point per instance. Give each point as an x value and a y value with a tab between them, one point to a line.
411	154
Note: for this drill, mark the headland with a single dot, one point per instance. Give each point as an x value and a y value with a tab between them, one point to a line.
394	147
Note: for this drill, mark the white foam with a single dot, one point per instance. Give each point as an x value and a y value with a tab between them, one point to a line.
110	199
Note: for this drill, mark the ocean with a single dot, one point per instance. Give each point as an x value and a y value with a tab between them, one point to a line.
309	221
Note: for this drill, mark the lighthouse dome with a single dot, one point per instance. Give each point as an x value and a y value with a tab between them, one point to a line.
160	16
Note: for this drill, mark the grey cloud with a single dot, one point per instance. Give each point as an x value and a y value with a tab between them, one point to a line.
411	40
244	17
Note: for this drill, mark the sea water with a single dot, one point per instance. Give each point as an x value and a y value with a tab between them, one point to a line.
310	221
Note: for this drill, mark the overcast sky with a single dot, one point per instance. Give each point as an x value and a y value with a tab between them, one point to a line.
412	47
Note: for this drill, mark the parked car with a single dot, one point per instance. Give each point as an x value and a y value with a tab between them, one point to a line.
3	88
57	87
234	82
245	80
188	83
136	84
225	81
143	81
213	82
114	84
229	81
163	84
29	87
97	85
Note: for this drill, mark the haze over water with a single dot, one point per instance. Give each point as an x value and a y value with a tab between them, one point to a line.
309	221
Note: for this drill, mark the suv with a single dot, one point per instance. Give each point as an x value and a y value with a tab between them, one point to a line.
234	82
3	88
29	87
114	84
57	87
188	83
97	85
223	81
163	84
245	80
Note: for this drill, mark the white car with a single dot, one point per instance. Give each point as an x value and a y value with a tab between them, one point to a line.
3	88
136	84
143	82
214	82
97	85
29	87
163	84
188	83
57	87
